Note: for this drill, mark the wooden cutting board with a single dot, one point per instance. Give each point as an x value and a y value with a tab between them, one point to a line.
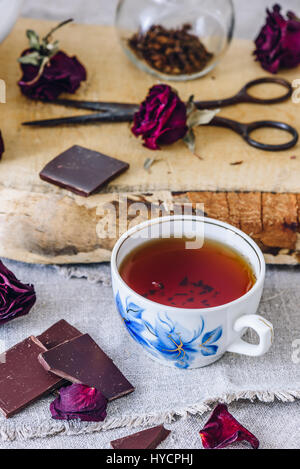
37	220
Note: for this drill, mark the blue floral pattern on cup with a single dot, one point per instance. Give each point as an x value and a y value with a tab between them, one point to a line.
167	338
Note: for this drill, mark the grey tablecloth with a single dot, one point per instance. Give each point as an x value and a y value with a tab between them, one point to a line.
276	424
162	394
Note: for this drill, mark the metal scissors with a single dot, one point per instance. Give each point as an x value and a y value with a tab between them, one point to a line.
118	112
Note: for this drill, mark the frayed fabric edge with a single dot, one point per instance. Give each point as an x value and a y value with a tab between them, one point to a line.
48	428
77	272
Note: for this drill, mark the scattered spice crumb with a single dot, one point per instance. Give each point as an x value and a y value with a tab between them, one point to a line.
184	282
236	163
293	157
158	285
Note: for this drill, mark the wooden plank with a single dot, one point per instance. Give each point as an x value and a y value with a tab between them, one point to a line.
65	228
271	219
280	220
112	77
42	223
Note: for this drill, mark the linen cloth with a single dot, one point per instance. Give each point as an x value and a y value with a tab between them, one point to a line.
275	427
162	393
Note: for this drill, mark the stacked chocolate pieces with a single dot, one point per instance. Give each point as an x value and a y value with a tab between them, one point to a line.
82	361
65	353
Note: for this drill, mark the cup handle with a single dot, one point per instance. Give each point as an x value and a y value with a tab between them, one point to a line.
262	327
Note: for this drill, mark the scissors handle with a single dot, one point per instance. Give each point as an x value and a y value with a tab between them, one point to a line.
245	130
243	96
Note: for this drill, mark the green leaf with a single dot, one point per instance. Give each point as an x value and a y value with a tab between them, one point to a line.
52	49
50	46
148	163
190	105
201	117
33	58
34	40
190	140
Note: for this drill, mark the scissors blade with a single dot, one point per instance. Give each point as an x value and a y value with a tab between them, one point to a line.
96	106
121	116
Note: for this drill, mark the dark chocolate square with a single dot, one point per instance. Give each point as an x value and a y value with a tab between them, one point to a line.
146	439
81	360
57	334
22	379
82	171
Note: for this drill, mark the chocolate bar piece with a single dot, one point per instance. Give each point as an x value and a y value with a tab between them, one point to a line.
82	361
22	379
60	332
146	439
82	171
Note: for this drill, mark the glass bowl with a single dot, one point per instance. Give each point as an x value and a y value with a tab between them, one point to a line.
175	39
9	12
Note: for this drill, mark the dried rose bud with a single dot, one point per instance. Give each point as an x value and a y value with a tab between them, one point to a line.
1	145
16	299
48	71
79	402
278	43
222	429
161	119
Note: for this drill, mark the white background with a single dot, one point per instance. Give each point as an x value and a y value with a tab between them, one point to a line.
249	13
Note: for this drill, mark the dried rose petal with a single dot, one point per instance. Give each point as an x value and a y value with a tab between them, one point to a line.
16	298
61	74
79	402
161	119
222	429
278	43
1	145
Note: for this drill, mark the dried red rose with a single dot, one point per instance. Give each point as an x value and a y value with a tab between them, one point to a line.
16	299
48	71
278	43
61	74
161	119
79	402
222	429
1	145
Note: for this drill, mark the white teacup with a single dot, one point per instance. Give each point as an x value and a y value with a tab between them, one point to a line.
192	338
